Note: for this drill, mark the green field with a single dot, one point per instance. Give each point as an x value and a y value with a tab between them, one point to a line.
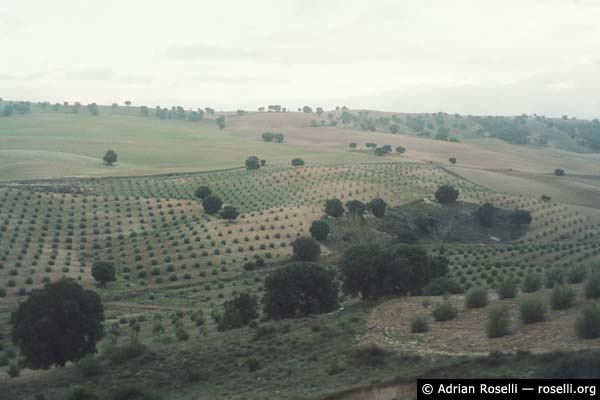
48	144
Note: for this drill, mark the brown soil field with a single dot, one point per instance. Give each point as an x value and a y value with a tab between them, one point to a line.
389	326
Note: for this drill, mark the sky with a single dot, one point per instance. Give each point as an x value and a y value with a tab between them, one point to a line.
501	57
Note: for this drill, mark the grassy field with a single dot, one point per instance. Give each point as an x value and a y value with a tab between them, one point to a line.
47	144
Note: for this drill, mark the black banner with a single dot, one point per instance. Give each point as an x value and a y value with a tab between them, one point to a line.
507	389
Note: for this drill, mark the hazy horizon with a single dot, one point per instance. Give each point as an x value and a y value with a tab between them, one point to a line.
504	58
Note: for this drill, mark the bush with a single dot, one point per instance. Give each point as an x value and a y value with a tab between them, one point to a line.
13	370
119	355
592	286
306	249
553	276
476	298
253	364
132	393
587	324
300	289
444	311
531	283
576	274
238	312
81	393
561	297
372	356
532	310
507	289
89	366
446	194
319	230
419	324
441	286
498	321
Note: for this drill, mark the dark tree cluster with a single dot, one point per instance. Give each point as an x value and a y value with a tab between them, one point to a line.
334	208
300	289
252	163
446	194
520	217
18	107
372	272
306	249
273	137
297	162
238	312
319	230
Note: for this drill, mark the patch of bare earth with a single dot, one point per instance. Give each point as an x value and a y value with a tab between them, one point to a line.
389	326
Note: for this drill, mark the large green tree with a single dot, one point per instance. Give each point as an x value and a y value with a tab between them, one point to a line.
300	289
371	271
238	312
229	213
446	194
306	249
212	204
319	230
334	208
378	207
252	163
59	323
103	272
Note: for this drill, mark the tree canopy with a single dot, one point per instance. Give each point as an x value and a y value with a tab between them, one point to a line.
306	249
372	271
319	230
212	204
334	208
229	213
252	163
202	192
377	207
110	157
59	323
300	289
103	272
238	311
446	194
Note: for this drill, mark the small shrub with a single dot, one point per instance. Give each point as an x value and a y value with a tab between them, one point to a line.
253	364
443	311
576	274
587	324
507	289
80	393
562	297
119	355
532	310
132	393
372	356
441	286
592	286
498	321
419	324
89	366
531	283
13	370
553	276
476	298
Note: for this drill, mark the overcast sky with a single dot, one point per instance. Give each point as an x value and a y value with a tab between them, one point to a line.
478	57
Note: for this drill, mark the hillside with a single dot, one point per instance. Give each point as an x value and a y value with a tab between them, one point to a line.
176	265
